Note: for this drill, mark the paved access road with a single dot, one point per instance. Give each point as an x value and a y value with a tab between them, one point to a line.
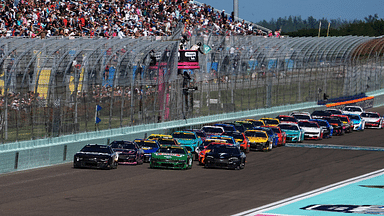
137	190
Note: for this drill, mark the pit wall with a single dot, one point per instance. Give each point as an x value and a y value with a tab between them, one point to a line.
46	152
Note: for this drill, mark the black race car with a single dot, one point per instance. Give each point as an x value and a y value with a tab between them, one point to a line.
96	156
338	126
128	152
225	156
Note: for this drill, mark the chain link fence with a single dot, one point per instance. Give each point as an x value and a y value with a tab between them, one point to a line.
57	86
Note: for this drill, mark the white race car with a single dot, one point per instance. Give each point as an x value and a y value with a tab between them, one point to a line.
372	119
353	110
312	130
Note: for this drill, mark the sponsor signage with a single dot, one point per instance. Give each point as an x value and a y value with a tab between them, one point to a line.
357	209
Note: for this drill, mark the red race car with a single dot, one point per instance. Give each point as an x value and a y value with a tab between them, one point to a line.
281	134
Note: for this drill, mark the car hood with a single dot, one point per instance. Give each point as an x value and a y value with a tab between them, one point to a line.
149	149
311	129
291	132
169	155
186	141
258	139
222	155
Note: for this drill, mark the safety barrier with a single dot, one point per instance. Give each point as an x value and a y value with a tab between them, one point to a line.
45	152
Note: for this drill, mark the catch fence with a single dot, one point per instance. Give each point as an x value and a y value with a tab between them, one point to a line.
57	86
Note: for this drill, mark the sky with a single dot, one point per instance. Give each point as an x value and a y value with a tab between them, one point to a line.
256	10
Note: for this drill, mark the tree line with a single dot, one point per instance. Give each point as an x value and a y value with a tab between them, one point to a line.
295	26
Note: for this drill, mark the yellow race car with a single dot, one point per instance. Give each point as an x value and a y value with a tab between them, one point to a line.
259	140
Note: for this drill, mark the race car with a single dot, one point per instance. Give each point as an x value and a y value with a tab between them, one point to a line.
225	156
358	122
171	157
353	110
270	121
372	119
240	138
239	127
282	137
327	128
293	132
188	139
149	146
337	124
312	130
128	152
271	134
208	148
96	156
348	124
206	142
259	140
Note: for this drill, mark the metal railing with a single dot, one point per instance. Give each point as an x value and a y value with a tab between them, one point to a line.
53	87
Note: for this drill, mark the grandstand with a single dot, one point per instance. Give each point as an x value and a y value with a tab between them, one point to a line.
52	85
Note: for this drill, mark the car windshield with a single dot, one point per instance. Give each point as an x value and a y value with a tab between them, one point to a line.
276	130
301	117
240	128
321	113
200	134
370	115
225	149
288	127
148	144
227	127
171	150
353	109
255	134
271	121
238	136
258	123
354	117
96	148
228	139
338	112
322	123
213	130
334	120
287	118
167	142
184	136
308	124
123	146
344	119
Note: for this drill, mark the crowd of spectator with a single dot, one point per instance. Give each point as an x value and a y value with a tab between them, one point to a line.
129	18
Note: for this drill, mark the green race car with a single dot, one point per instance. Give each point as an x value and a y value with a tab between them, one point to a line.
172	157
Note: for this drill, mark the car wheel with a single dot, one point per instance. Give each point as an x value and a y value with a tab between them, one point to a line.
242	165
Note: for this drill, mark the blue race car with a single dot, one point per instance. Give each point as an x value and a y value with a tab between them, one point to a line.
358	122
149	147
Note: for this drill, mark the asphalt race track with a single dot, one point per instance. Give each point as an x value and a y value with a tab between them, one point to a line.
137	190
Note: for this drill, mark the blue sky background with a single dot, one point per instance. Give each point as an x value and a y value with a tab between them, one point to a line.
256	10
